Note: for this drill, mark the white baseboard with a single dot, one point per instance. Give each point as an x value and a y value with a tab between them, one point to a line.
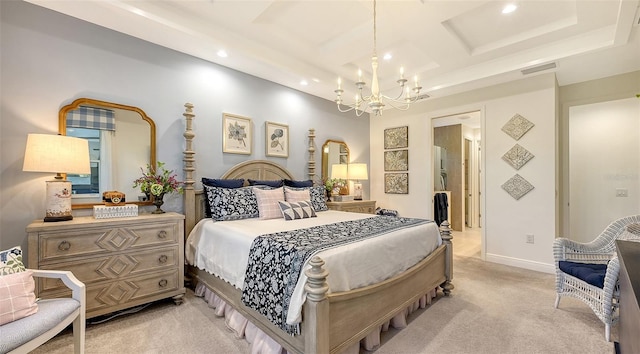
521	263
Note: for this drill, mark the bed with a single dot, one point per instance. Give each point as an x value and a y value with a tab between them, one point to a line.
333	321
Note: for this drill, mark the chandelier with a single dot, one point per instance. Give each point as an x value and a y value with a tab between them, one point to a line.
376	101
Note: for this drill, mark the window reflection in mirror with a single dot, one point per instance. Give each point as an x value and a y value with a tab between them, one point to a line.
87	185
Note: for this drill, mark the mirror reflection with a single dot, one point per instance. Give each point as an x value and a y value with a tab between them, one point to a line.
440	168
334	152
121	141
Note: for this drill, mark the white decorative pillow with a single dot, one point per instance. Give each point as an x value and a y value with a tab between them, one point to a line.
11	261
297	210
296	195
268	199
17	298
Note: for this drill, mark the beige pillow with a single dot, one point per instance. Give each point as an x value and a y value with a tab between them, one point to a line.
293	195
268	199
17	298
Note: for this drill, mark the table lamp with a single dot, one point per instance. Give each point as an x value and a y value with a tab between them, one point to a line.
358	172
57	154
339	171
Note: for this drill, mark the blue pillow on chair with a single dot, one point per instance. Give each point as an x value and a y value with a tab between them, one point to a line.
588	272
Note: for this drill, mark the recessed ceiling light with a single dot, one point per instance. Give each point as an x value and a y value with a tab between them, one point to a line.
315	79
222	53
387	56
304	83
509	9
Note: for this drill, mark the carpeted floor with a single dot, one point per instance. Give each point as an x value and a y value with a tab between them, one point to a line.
493	309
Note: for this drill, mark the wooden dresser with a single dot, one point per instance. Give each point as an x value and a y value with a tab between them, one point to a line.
356	206
123	262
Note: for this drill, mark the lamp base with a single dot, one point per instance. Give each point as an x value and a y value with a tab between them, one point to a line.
357	186
58	218
58	201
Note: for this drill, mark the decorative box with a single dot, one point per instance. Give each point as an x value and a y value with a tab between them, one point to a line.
117	211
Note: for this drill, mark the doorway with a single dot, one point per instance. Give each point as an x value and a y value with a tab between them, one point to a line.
456	139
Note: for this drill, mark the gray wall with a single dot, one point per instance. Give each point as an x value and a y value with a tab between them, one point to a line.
49	59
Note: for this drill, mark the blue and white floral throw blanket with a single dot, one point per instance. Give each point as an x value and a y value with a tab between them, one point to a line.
276	260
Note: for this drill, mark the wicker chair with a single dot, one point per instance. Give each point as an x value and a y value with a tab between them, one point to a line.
600	253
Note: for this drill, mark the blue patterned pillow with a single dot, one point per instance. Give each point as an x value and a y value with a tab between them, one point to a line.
11	261
232	203
297	210
318	197
223	183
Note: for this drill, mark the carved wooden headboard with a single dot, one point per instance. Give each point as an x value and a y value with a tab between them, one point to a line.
257	170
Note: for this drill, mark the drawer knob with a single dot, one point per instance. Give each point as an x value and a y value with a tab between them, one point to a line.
162	259
163	283
64	246
162	234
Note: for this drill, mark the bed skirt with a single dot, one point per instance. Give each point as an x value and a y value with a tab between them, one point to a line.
259	342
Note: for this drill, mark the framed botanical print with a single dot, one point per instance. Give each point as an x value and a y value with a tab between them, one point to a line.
396	183
277	139
237	134
396	160
396	138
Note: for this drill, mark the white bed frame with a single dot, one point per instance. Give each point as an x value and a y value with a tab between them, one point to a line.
332	322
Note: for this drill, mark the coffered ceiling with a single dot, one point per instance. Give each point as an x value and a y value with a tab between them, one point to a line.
451	46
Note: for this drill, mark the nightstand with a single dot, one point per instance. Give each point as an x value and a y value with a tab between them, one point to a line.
355	206
124	262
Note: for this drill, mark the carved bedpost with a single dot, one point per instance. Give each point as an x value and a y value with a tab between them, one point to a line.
312	154
316	309
445	233
189	169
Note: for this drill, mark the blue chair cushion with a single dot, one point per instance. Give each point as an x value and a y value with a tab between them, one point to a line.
590	273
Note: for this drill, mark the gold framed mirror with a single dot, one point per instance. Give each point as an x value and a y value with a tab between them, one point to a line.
122	140
333	152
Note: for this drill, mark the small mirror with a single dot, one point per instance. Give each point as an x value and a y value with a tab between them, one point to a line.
122	139
333	152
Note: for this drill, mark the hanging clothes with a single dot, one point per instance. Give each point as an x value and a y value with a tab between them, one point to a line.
440	208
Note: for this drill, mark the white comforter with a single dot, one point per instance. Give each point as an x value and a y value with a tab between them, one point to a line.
222	248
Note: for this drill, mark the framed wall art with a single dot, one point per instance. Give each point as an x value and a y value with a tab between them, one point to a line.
237	134
396	138
277	139
396	160
396	183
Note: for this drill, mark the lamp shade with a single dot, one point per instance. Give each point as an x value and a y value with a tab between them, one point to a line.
56	154
339	171
358	171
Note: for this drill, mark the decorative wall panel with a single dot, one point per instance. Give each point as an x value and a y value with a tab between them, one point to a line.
517	156
517	126
517	186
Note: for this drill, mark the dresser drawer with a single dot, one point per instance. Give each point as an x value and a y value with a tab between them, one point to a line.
57	245
103	296
113	266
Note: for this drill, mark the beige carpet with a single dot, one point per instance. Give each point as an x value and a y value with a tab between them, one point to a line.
493	309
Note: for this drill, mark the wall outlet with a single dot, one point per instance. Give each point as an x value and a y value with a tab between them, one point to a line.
622	192
530	238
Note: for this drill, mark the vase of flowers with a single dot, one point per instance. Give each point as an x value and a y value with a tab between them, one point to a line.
157	181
